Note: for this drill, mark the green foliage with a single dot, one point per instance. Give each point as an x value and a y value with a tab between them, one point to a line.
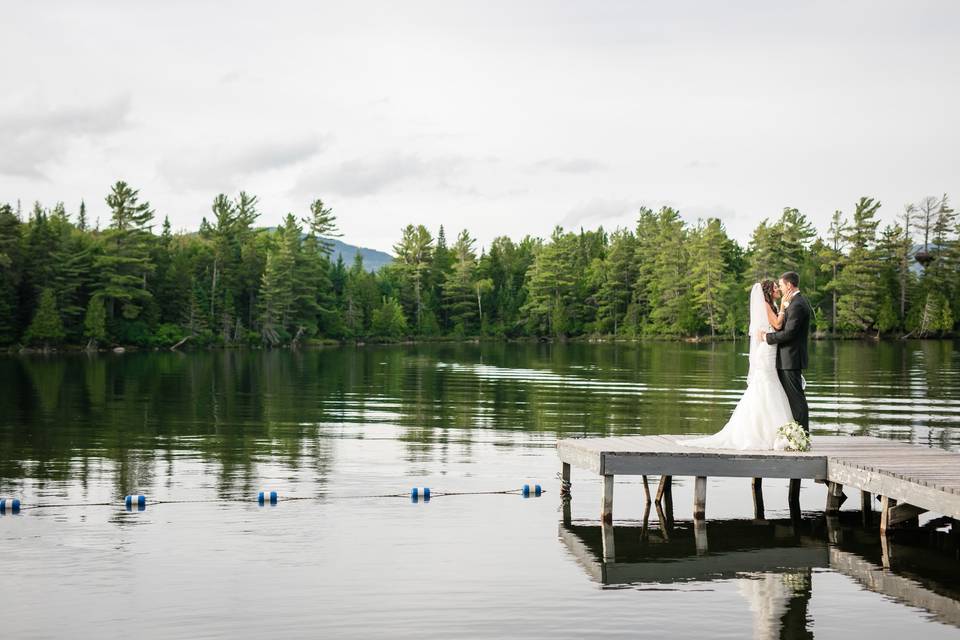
95	320
230	282
46	327
124	262
388	320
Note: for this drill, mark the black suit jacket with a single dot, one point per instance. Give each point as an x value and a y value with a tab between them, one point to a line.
791	340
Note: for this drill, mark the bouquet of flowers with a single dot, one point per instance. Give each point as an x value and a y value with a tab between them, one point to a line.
792	437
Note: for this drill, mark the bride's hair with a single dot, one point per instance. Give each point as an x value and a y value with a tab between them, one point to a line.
767	286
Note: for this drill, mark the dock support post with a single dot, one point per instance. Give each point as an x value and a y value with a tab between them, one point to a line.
700	498
565	479
665	523
866	507
758	511
700	536
664	489
609	550
606	504
646	491
885	505
793	497
835	497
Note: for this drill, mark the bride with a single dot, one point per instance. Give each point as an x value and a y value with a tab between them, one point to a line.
764	407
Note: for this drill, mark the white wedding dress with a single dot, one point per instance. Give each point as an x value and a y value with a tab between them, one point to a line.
764	407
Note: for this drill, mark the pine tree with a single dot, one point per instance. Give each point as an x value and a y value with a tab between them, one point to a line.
323	224
616	285
672	312
858	290
709	280
276	295
82	217
46	327
832	260
11	264
124	262
95	322
460	301
414	252
550	286
388	320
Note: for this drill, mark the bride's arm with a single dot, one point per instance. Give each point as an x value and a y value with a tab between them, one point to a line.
776	321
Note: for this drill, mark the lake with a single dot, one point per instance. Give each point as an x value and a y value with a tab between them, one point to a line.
332	427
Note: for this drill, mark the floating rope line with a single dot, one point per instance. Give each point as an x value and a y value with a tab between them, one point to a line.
133	505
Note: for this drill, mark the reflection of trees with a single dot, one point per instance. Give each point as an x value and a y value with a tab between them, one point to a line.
63	417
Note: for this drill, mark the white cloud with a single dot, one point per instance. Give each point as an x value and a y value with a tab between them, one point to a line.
35	135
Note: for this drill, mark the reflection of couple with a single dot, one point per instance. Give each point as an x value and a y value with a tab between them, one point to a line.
778	355
779	604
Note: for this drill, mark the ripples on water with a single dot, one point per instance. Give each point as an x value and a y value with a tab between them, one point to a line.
339	423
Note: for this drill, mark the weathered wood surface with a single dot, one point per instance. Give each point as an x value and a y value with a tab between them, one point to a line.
912	474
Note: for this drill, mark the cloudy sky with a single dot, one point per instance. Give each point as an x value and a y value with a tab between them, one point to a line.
501	117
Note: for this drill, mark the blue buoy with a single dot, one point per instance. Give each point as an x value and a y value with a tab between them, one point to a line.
9	505
267	497
420	492
138	502
534	490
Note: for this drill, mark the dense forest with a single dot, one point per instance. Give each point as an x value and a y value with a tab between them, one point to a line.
67	281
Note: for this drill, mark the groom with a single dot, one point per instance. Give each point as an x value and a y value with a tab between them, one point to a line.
791	343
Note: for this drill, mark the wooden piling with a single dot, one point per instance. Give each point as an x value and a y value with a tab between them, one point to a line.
665	488
835	497
646	491
793	496
700	536
606	503
700	498
758	511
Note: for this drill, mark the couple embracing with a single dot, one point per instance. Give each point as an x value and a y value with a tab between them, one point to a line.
775	385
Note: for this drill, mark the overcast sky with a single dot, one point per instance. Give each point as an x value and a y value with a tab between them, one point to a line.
501	117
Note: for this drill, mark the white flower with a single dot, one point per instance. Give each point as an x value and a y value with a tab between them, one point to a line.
791	437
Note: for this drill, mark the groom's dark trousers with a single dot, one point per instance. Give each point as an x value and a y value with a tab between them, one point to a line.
792	381
792	358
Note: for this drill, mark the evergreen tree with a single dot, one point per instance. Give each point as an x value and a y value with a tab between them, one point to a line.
11	265
550	286
82	217
276	295
619	274
414	252
322	223
388	320
709	279
672	312
46	327
831	258
124	262
857	287
95	322
460	297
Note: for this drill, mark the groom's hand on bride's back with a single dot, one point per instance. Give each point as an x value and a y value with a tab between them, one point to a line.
762	335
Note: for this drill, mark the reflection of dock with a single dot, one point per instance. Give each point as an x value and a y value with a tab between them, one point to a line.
900	588
914	575
738	547
910	479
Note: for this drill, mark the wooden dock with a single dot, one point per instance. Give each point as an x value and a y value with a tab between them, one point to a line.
909	479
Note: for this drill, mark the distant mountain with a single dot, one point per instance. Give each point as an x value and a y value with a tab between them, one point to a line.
372	259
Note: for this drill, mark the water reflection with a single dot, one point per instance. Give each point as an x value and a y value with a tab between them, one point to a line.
63	417
773	563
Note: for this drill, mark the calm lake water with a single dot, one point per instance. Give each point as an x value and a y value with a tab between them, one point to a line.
335	425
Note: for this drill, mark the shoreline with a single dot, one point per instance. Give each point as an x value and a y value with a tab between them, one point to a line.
325	343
